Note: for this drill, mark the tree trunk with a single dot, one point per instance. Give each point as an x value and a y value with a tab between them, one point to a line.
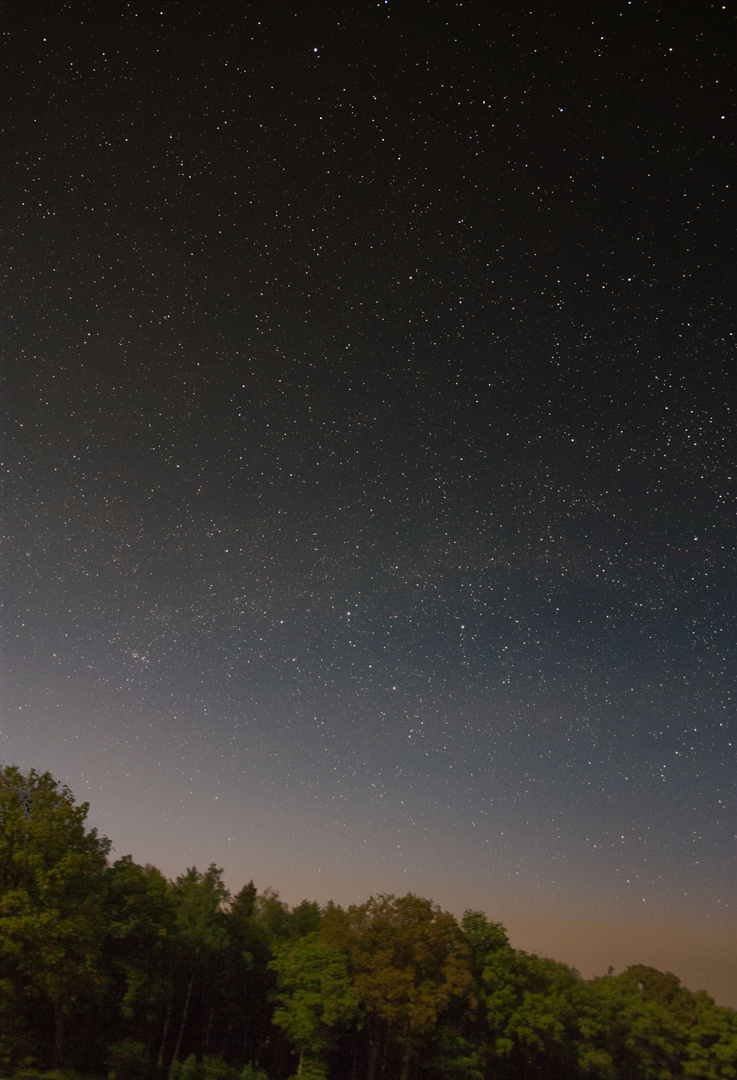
373	1059
160	1059
299	1067
208	1032
58	1035
383	1056
175	1056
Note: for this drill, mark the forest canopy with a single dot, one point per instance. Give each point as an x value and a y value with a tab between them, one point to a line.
111	969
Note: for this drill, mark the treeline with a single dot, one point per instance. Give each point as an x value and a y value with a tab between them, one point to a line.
111	969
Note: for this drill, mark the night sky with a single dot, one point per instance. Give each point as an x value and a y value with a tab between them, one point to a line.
370	451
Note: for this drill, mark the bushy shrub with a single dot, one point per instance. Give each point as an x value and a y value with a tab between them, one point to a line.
311	1070
214	1068
56	1074
186	1070
128	1060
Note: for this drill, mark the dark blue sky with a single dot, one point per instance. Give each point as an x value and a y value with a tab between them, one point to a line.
370	450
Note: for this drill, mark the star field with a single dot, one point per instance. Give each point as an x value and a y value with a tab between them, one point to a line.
370	448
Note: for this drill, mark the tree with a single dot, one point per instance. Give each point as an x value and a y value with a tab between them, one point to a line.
51	895
643	1025
627	1033
711	1048
305	918
245	1011
408	960
202	929
272	914
531	1006
461	1041
141	937
315	996
483	937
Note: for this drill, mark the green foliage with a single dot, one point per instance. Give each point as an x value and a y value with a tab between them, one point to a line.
211	1067
531	1008
272	914
141	933
483	937
311	1070
409	962
711	1049
456	1057
243	904
315	996
51	893
202	924
52	1074
189	1069
407	956
214	1068
118	956
200	900
252	1072
644	1025
305	919
128	1060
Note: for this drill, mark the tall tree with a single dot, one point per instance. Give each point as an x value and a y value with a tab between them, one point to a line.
305	919
315	996
482	937
142	934
409	961
272	914
643	1025
202	926
245	1012
711	1041
627	1034
51	894
531	1006
461	1047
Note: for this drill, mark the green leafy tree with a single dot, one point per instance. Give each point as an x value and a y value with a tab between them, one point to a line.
311	1070
643	1025
483	937
128	1060
457	1055
531	1007
461	1043
252	1072
711	1046
244	1013
630	1033
305	919
51	895
272	914
315	997
141	939
409	961
202	930
214	1067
